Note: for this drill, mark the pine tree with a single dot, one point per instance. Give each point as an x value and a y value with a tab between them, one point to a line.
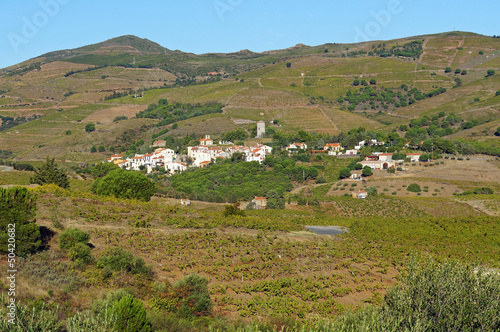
17	210
49	173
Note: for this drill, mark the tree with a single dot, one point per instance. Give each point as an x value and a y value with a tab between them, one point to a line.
18	207
49	173
367	171
90	127
497	93
490	72
132	316
124	184
356	82
275	200
373	81
344	173
93	149
497	133
288	65
458	71
424	157
101	148
447	70
464	72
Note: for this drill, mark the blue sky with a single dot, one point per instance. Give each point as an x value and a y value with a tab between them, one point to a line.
29	28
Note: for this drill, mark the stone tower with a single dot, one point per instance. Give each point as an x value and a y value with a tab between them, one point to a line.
261	128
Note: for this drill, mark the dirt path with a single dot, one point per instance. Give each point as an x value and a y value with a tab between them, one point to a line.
460	44
329	119
419	61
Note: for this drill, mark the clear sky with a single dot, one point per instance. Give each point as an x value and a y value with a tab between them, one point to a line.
29	28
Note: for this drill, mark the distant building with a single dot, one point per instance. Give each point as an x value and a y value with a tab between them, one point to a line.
360	194
206	141
259	203
261	128
185	202
158	144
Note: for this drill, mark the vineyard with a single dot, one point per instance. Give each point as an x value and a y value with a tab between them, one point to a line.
264	264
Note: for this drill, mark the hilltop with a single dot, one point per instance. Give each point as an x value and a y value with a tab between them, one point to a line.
303	87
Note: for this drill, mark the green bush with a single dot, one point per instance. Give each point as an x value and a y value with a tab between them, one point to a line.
81	254
414	188
445	297
118	259
70	237
233	210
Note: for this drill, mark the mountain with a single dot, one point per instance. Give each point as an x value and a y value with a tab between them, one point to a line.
304	87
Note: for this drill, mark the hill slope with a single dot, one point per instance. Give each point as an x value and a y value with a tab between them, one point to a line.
301	87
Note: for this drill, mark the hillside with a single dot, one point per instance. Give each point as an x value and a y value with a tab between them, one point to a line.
301	87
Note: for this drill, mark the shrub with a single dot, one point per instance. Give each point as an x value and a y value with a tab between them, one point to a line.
344	173
424	157
233	210
192	296
87	321
118	259
81	254
90	127
70	237
414	188
445	297
483	191
39	318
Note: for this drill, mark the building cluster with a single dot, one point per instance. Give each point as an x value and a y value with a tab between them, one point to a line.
384	160
198	156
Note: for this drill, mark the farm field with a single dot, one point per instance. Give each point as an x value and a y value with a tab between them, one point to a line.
260	265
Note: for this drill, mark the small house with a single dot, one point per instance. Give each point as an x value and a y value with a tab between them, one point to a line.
259	203
359	194
185	202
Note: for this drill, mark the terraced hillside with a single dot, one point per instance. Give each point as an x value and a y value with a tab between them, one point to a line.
302	87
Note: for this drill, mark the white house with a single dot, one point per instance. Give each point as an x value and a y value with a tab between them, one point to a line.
360	194
413	156
332	147
385	156
378	164
175	167
296	146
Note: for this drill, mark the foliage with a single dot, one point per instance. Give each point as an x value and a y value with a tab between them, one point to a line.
367	171
490	72
119	259
275	200
71	236
90	127
236	135
414	187
445	297
424	157
132	316
230	182
233	210
29	319
87	321
344	173
49	173
188	297
81	254
102	169
124	184
170	113
17	208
